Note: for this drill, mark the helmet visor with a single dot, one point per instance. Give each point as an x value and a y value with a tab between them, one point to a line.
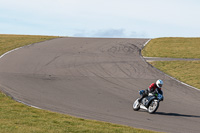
160	85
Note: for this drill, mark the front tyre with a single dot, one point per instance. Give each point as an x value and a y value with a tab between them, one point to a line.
136	105
153	106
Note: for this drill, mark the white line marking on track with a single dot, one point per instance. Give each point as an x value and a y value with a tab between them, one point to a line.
140	55
12	96
165	73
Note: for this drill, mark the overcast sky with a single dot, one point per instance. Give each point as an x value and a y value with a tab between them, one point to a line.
101	18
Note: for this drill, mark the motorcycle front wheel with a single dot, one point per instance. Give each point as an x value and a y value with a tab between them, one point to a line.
153	106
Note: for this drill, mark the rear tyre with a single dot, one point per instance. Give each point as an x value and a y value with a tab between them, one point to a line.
153	106
136	105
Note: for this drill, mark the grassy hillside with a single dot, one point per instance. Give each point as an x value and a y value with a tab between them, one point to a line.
9	42
185	71
19	118
173	47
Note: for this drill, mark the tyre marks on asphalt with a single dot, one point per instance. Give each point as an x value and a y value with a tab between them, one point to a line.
96	78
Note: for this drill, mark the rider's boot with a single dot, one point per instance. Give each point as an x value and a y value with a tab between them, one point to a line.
140	99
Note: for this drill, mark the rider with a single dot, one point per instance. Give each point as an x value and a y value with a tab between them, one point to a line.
153	88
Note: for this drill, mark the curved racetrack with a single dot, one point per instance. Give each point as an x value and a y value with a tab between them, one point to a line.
97	78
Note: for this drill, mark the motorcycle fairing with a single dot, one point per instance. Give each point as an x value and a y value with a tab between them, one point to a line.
147	100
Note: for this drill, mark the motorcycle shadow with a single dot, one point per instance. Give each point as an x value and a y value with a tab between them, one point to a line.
176	114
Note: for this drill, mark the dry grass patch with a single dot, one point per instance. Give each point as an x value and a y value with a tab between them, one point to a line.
9	42
173	48
185	71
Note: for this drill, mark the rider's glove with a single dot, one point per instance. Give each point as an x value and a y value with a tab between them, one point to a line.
162	98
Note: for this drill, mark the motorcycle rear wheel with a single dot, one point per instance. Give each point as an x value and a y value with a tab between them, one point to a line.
153	106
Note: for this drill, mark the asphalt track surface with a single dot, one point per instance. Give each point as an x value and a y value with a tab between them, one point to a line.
97	78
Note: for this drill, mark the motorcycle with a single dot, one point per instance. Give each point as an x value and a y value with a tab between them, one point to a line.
149	103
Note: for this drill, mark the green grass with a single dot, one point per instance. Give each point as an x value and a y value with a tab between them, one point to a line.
9	42
19	118
173	47
185	71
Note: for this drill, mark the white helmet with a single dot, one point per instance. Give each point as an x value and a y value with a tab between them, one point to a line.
159	83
